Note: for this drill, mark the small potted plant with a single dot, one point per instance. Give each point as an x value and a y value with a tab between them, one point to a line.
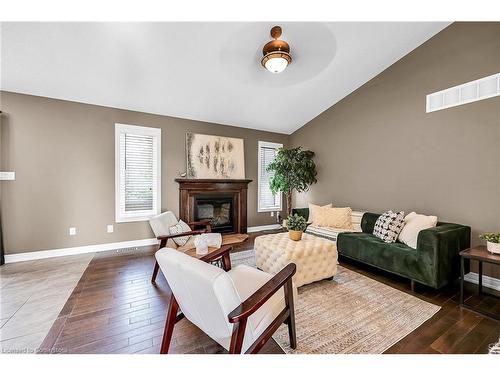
492	242
296	226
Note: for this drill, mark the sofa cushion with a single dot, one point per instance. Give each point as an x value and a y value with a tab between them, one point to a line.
312	211
326	233
394	257
333	217
332	233
414	223
389	225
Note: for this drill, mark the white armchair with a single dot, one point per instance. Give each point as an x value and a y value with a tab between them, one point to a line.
240	309
160	225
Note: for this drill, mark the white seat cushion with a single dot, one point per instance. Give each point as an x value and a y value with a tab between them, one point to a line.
160	225
246	281
207	294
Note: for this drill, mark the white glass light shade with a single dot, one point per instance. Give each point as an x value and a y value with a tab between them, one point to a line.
276	64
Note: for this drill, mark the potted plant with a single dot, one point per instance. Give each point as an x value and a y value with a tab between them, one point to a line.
292	169
492	242
296	226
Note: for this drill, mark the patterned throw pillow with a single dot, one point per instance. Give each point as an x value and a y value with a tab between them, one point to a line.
180	227
389	225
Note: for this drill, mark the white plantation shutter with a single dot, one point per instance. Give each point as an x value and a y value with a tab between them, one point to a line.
139	182
267	201
138	152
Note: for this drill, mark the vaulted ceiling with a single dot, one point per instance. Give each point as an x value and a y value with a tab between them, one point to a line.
204	71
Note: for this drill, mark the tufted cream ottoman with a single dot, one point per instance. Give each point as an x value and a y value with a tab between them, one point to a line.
316	258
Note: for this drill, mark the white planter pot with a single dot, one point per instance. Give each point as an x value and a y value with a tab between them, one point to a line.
493	247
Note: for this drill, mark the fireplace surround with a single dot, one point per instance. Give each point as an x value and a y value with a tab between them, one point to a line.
223	202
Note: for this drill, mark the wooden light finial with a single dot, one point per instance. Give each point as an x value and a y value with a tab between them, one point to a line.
276	32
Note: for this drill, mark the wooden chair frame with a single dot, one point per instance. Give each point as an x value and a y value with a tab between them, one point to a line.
240	315
164	239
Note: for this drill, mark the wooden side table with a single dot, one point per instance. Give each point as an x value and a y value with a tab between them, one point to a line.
215	254
481	255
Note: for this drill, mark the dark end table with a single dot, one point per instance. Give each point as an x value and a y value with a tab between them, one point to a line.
481	255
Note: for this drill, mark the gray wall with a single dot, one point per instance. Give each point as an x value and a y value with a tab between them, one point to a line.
63	156
377	149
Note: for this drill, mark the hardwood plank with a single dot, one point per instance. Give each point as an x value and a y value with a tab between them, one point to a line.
115	309
473	341
457	332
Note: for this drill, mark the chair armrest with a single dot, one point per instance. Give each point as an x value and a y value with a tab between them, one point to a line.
266	291
193	232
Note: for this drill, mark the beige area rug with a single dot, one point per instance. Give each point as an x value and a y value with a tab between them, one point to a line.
350	314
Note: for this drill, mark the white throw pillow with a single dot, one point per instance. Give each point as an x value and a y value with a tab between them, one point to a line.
180	227
312	210
414	223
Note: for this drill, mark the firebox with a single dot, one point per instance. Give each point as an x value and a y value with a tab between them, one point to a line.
219	210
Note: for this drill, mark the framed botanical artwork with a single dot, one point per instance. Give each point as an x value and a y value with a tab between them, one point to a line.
211	156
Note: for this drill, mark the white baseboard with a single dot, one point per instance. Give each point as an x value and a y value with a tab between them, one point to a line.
488	281
263	227
43	254
33	255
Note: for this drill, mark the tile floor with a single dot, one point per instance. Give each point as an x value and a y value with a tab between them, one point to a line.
32	294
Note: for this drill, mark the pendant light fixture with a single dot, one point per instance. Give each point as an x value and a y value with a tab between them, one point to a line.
276	53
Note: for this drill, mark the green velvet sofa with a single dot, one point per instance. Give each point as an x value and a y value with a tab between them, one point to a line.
435	262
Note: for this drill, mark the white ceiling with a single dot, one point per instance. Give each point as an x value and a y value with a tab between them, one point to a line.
204	71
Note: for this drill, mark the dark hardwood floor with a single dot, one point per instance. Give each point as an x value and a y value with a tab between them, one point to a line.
115	309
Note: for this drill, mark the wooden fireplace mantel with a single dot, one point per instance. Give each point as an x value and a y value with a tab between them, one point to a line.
190	188
211	184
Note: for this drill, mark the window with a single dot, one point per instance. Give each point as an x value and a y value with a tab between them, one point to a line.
267	201
137	172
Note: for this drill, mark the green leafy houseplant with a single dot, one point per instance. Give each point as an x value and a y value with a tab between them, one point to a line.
296	222
292	169
296	225
490	237
493	242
